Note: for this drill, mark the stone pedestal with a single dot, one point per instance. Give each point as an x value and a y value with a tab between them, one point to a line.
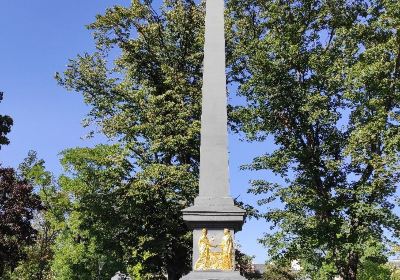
215	215
213	275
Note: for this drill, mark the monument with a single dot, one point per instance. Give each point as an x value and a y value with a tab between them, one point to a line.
214	218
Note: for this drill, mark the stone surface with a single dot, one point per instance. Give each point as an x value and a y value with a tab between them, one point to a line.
213	275
213	209
214	205
214	180
214	217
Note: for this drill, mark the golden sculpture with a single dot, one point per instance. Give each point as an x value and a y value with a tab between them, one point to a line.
204	252
227	251
208	259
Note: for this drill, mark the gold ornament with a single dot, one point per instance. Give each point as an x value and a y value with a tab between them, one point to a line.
209	260
227	251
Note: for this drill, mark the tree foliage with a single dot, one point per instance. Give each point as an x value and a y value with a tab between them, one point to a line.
39	255
322	78
143	85
244	264
17	206
5	126
373	271
281	271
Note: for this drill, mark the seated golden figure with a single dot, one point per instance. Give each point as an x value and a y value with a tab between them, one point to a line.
209	260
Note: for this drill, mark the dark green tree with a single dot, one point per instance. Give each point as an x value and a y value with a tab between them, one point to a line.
144	87
5	126
322	78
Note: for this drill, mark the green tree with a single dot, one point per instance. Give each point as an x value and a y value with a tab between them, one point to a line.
145	94
395	273
39	254
322	79
373	271
281	271
5	126
25	236
108	226
94	233
244	264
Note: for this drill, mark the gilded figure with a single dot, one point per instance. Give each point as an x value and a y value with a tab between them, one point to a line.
218	260
204	244
227	251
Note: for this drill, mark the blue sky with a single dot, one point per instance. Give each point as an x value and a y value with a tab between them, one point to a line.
37	39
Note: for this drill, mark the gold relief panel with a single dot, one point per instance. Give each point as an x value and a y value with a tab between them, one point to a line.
220	258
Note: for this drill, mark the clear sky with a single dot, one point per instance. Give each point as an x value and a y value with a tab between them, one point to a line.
37	39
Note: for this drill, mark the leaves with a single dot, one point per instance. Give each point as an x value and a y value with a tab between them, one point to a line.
143	85
5	126
17	206
321	77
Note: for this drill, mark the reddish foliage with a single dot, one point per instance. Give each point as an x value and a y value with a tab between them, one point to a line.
18	204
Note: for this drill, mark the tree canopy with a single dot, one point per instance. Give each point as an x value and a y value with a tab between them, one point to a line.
319	79
128	197
322	78
17	204
5	126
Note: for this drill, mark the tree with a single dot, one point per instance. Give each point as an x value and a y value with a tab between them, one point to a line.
244	264
322	78
94	231
36	265
148	101
17	206
5	126
395	273
281	271
108	221
372	271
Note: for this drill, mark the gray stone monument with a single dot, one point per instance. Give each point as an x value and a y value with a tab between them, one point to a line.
213	217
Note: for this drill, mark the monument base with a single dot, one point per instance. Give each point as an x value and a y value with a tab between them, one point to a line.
213	275
214	221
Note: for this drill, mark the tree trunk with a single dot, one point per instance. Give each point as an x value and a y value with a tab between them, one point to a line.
172	275
350	272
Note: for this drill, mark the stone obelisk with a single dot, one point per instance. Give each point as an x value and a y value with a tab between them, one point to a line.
214	218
